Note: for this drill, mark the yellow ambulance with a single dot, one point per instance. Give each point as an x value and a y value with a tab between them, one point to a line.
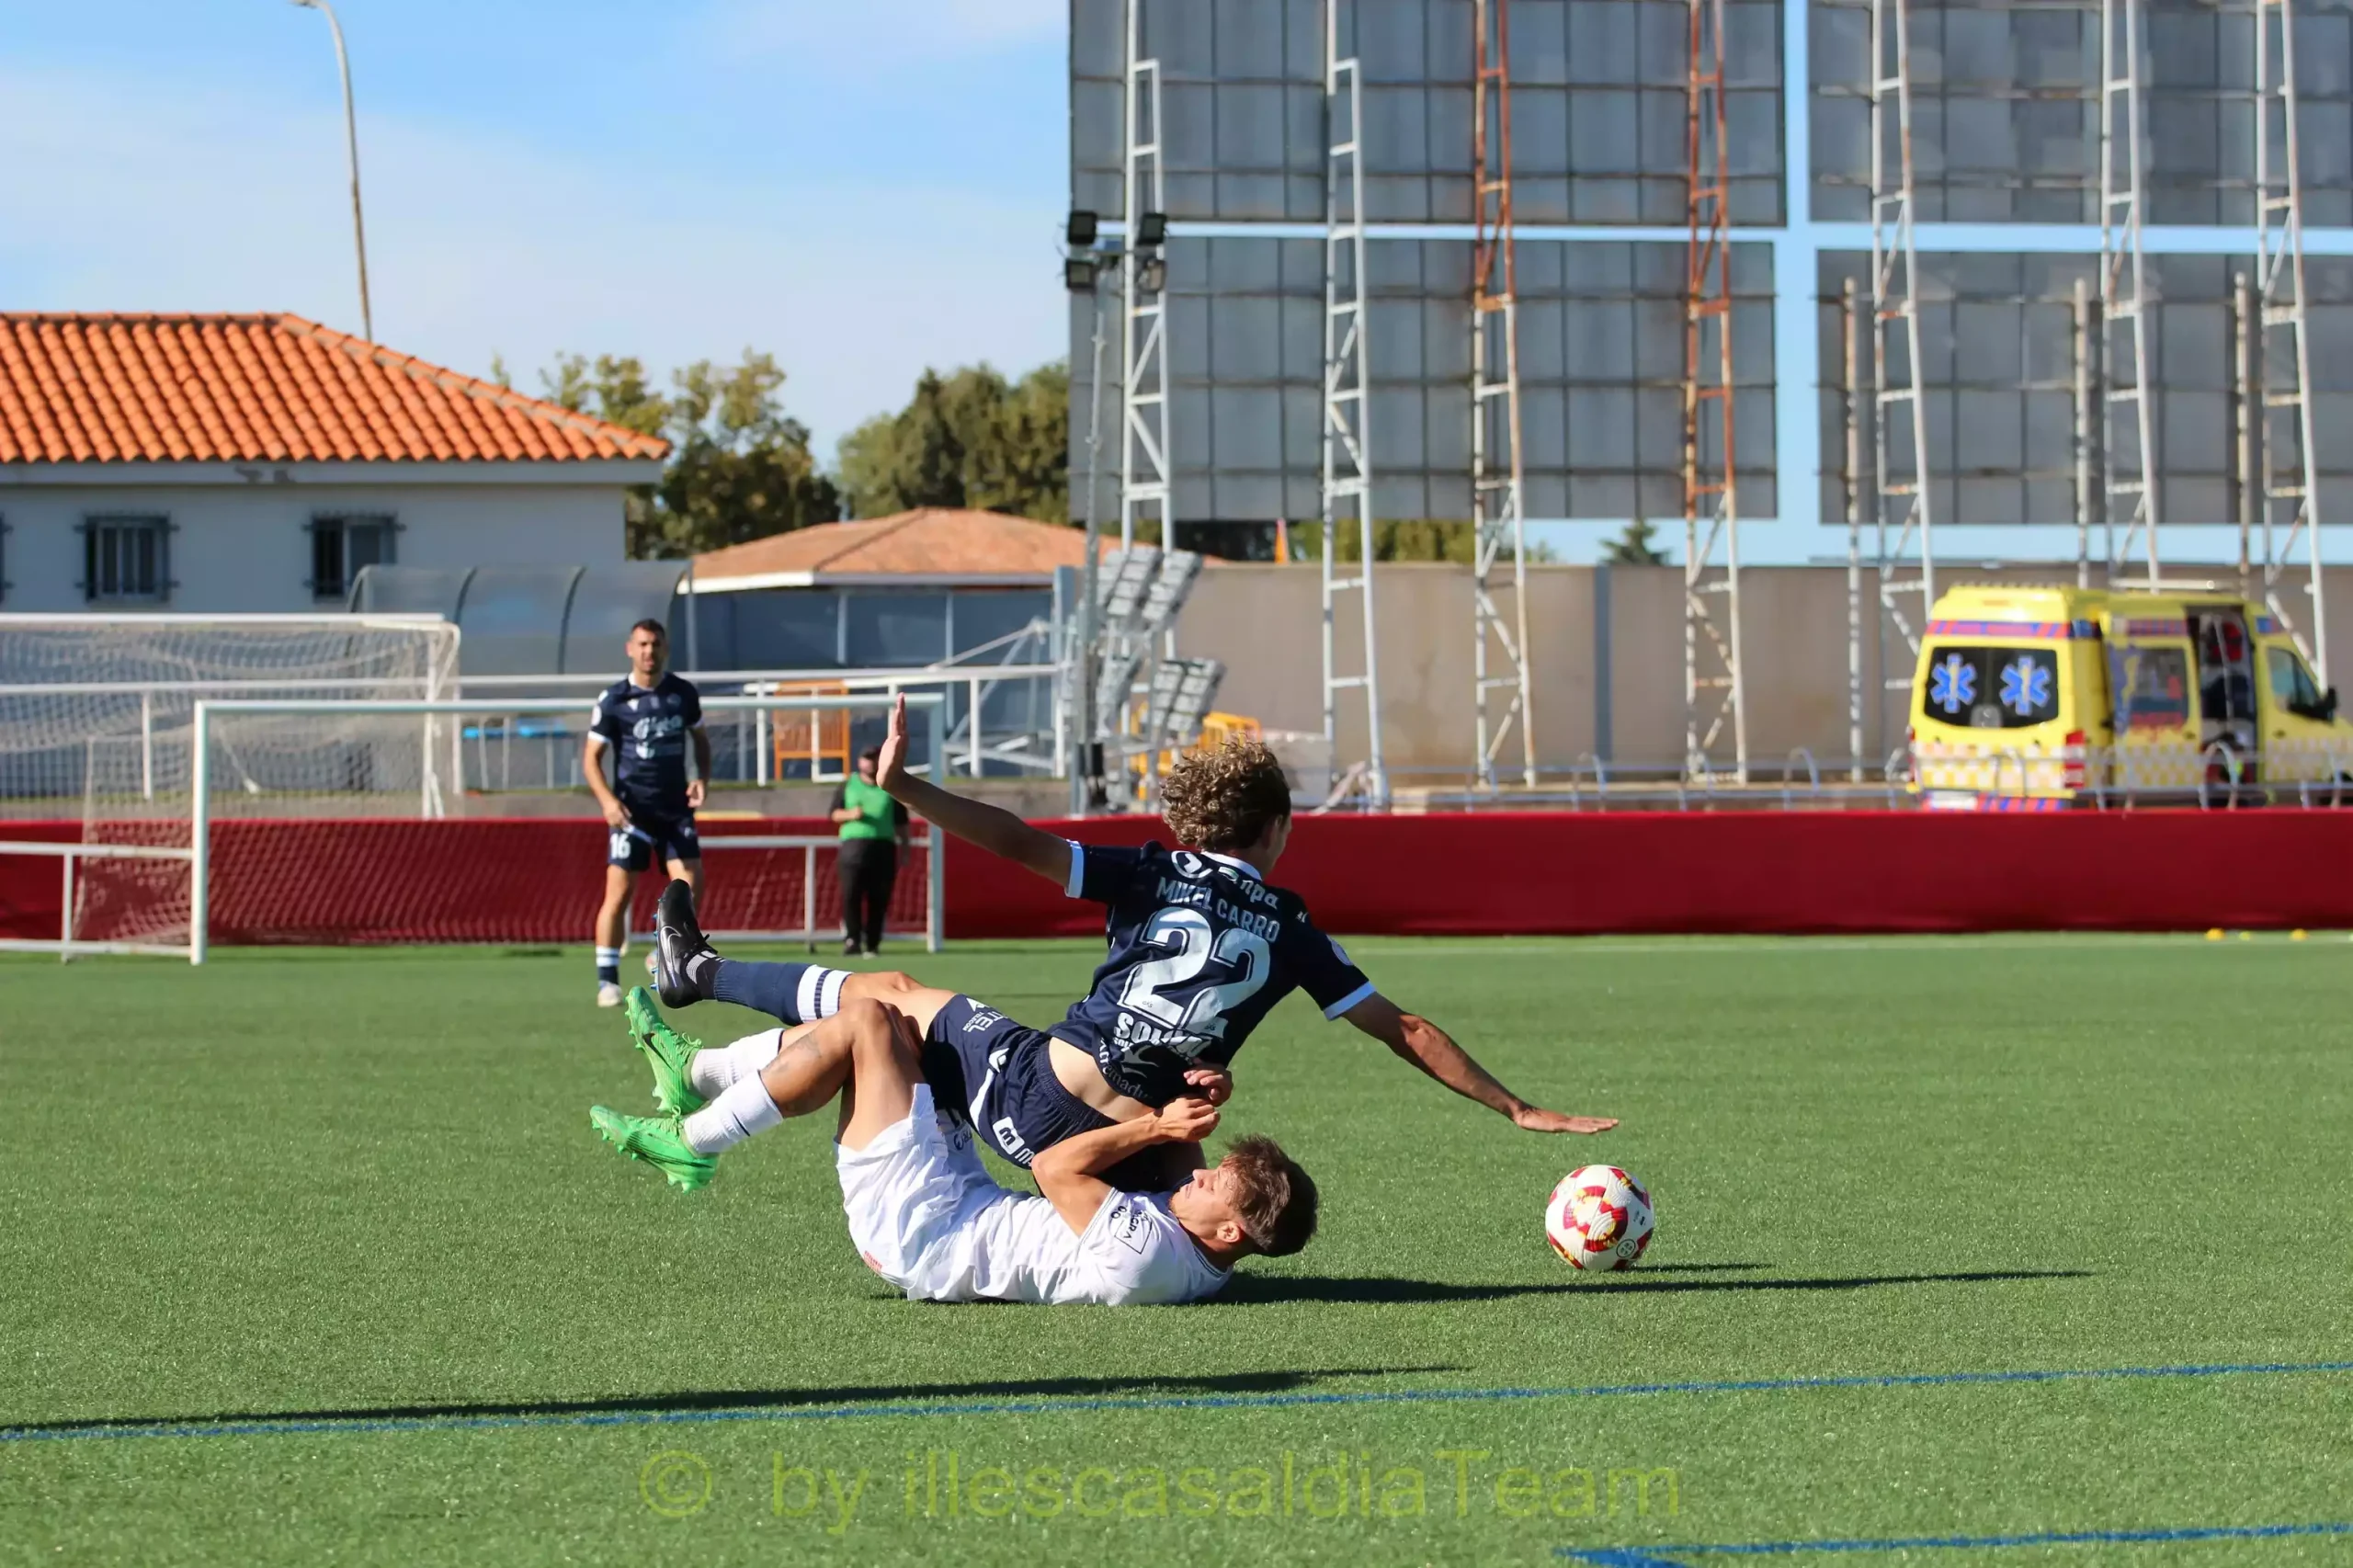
2037	698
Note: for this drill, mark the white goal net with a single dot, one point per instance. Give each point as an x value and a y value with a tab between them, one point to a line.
96	750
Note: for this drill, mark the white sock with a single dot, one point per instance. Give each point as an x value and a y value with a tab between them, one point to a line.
740	1111
714	1071
820	993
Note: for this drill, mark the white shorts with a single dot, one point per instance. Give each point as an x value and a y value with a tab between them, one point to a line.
909	1191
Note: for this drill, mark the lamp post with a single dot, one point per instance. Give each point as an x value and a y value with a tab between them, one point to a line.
351	142
1084	265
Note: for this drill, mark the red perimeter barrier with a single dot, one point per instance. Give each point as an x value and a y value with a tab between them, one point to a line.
537	879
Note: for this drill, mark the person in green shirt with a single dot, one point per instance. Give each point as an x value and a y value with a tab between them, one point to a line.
873	827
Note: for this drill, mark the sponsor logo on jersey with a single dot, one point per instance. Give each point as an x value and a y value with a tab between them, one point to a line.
1010	1139
986	1018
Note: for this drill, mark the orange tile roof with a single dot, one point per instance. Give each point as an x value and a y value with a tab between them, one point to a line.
271	388
928	541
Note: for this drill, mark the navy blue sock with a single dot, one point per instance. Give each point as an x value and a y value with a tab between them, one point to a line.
795	993
609	966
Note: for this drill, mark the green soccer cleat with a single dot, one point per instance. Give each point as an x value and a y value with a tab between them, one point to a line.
666	1051
659	1143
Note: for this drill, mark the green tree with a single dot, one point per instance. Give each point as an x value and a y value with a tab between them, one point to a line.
969	439
739	467
1401	539
1638	546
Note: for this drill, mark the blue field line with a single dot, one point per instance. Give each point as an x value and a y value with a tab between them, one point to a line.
1673	1556
267	1426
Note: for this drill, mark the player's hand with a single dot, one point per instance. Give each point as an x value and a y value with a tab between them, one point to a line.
1536	1118
694	794
1187	1120
616	815
891	767
1215	1084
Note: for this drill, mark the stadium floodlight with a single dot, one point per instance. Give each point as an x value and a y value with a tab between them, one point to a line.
1151	229
1078	230
1152	274
1078	273
351	143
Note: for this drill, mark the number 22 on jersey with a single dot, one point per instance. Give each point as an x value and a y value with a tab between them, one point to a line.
1170	990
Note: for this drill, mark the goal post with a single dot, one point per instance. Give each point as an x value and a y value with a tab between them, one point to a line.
269	769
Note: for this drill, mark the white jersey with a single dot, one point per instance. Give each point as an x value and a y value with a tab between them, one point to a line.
926	1217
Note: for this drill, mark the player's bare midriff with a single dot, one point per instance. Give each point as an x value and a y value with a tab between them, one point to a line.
1077	1072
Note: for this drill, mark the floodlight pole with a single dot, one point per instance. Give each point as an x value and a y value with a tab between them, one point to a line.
1081	663
1348	392
351	143
1143	332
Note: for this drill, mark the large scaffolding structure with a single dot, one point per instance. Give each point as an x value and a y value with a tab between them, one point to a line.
1347	422
1499	550
1713	694
1144	492
2128	423
2288	501
1902	508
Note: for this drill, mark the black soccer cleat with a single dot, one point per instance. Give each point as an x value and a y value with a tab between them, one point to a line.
682	954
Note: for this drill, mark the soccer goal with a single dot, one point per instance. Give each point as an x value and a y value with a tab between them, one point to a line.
97	717
313	821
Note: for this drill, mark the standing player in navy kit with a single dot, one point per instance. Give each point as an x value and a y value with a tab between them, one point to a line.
644	720
1202	949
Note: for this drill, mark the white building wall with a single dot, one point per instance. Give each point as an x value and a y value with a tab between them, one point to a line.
245	548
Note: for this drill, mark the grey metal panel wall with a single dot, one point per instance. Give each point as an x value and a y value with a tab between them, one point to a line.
2005	120
1601	371
1997	350
1597	108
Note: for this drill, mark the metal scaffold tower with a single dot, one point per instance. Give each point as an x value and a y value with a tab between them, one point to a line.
2127	444
1499	550
2289	512
1902	506
1712	691
1144	337
1348	465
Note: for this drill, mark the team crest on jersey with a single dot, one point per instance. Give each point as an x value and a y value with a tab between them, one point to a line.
1125	1224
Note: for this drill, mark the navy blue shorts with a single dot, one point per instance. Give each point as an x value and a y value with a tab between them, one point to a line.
650	838
998	1076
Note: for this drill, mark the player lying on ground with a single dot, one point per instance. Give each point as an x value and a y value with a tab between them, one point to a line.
1202	949
923	1211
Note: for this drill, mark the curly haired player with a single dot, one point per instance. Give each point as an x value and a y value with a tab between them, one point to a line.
1202	949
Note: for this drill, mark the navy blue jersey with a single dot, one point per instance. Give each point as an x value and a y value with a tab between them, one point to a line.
1201	950
647	732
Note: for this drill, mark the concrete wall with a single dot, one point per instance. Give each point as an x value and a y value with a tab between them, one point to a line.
1263	621
245	549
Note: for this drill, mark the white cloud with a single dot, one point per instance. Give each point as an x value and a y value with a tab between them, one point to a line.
153	195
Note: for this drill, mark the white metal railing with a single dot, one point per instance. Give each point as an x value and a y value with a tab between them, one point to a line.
809	847
928	704
66	945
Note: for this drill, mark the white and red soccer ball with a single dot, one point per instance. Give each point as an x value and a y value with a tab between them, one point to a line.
1599	1218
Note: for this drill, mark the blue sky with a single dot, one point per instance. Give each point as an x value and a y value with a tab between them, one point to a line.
676	181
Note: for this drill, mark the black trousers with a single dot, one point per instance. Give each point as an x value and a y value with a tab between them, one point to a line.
867	870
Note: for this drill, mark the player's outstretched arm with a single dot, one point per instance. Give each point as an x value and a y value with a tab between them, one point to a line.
975	822
1429	1048
1067	1173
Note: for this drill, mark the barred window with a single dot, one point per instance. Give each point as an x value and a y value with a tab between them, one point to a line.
126	560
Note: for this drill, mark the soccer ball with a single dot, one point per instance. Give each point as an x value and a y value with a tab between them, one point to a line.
1599	1218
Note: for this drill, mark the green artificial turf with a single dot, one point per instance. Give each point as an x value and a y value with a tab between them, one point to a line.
359	1189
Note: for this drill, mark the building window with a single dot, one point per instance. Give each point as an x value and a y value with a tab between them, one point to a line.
126	561
340	546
